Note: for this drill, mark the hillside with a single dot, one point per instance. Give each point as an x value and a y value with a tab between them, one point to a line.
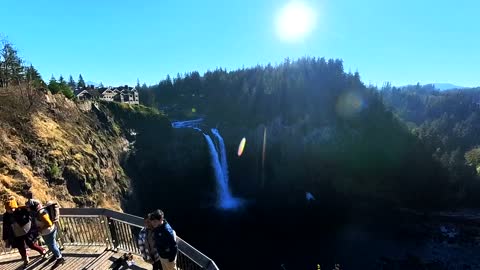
448	123
55	148
327	134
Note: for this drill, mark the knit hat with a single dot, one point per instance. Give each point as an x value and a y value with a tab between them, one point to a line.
10	203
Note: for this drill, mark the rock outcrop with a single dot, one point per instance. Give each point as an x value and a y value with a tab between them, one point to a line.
62	150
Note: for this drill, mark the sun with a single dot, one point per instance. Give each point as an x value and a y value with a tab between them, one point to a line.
295	21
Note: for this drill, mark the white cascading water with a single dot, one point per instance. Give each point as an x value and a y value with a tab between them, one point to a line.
223	153
225	198
218	156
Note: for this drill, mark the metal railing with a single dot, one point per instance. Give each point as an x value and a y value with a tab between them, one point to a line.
116	231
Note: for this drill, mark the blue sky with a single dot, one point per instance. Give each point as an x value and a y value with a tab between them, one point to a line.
118	41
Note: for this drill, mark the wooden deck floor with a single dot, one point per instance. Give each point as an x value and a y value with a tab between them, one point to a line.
76	258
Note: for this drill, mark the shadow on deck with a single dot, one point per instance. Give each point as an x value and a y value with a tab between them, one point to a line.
76	258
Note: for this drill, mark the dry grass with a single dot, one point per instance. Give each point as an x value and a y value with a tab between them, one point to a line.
55	131
10	185
78	157
8	140
55	153
104	201
47	129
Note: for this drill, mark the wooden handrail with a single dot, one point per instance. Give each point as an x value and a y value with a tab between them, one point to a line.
135	221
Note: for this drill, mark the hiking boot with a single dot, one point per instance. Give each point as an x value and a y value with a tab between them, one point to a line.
26	261
52	259
58	262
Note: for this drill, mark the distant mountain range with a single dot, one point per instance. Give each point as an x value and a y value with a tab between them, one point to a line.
92	83
441	86
447	86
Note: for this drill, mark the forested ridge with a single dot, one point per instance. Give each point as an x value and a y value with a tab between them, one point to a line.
329	132
447	122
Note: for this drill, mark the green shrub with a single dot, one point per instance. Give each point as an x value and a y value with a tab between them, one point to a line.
54	170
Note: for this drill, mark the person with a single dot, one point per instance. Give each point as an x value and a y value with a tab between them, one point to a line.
47	229
123	262
146	244
165	240
18	230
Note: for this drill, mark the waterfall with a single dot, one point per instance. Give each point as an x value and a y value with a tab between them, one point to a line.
218	156
187	124
220	167
223	153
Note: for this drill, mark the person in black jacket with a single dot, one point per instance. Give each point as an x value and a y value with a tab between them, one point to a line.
18	230
165	240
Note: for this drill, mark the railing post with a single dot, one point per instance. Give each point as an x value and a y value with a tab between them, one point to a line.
113	233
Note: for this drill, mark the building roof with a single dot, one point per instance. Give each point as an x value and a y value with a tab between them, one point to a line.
100	90
92	92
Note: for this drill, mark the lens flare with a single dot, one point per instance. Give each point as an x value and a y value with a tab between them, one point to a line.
241	147
349	104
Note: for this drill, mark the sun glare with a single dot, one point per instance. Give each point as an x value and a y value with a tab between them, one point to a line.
295	21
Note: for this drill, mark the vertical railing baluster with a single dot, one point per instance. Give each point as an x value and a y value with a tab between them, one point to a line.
73	234
79	232
180	262
72	237
106	232
100	238
83	227
119	234
78	222
108	236
113	233
90	231
65	229
127	237
131	238
84	231
73	229
124	234
93	223
95	232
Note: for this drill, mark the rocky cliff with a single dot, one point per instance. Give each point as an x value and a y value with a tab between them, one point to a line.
54	148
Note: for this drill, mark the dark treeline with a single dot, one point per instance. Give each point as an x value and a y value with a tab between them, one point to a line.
327	133
448	122
16	73
256	95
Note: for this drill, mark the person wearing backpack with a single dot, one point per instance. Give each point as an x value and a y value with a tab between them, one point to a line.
146	244
47	228
165	240
18	231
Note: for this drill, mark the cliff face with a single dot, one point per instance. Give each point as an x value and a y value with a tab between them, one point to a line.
54	148
170	168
